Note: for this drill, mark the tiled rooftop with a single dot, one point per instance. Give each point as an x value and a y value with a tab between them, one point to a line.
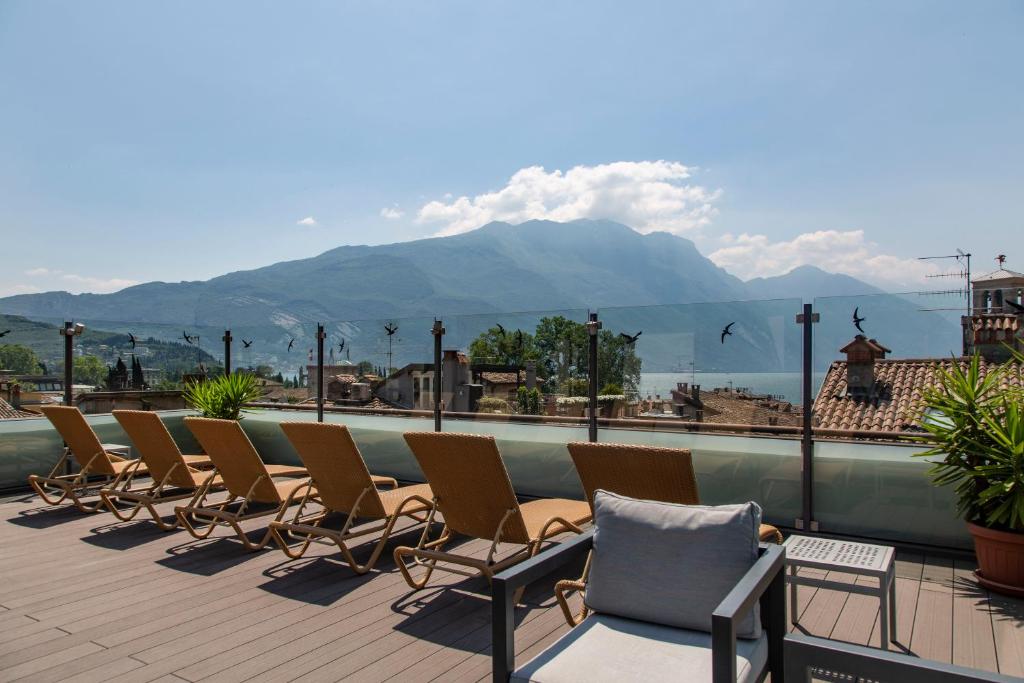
895	403
85	599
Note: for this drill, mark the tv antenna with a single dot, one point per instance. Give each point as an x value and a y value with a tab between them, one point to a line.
963	259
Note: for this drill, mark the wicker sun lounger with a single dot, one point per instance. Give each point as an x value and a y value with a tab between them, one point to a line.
174	476
98	466
346	492
252	491
644	472
473	493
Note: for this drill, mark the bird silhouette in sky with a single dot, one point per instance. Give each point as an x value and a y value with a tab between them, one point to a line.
631	339
131	340
290	344
501	330
247	344
857	320
190	340
726	331
5	333
341	346
391	328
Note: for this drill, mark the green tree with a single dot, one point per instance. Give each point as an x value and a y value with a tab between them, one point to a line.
19	359
562	347
503	347
88	370
365	367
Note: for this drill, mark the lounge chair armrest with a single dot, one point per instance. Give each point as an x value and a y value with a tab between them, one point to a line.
503	589
765	582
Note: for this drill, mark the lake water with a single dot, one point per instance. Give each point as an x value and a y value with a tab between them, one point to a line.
785	384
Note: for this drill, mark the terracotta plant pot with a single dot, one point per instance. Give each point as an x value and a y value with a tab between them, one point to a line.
1000	559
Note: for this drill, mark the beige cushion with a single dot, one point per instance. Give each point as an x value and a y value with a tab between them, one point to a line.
671	564
613	649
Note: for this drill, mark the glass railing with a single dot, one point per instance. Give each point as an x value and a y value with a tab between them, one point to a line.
702	365
724	380
530	365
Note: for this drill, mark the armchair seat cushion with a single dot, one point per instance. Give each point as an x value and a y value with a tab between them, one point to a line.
614	649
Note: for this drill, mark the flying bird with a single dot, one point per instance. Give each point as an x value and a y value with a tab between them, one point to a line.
190	340
290	344
132	340
391	328
5	333
725	331
341	346
247	344
857	320
631	339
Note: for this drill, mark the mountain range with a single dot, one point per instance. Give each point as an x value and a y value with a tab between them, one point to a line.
493	272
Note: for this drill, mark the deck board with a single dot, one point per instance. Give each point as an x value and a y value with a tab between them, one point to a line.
83	599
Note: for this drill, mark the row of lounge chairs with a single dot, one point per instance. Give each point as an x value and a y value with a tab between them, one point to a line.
322	501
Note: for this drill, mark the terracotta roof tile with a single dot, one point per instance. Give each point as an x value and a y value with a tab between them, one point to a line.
9	412
894	403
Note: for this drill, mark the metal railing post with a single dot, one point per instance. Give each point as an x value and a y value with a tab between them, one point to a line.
69	357
593	327
806	521
438	331
320	336
227	339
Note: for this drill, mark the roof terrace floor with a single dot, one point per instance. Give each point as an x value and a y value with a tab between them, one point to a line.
85	599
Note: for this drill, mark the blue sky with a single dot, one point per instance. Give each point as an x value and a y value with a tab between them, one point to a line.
182	140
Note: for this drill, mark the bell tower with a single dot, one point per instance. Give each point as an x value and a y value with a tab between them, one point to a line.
997	314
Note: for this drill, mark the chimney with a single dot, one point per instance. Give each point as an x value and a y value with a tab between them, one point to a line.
695	392
16	395
531	375
861	355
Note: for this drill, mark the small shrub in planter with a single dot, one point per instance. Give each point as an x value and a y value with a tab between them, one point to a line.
489	404
975	424
223	397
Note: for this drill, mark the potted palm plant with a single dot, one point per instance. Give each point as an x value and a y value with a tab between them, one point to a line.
223	397
975	425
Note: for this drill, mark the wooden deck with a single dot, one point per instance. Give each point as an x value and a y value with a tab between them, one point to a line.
84	599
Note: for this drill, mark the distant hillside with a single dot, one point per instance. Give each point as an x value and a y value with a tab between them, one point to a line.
44	338
492	271
807	283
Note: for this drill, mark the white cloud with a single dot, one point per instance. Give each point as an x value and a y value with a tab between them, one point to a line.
57	279
308	222
99	285
391	213
749	256
646	195
19	289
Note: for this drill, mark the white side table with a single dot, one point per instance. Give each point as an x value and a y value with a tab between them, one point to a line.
865	559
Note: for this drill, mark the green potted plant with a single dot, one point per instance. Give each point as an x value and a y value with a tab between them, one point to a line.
975	425
225	396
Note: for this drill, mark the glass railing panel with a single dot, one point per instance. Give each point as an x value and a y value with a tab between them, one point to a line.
528	364
874	355
702	366
383	363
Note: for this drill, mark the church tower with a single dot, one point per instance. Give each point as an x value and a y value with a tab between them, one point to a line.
997	314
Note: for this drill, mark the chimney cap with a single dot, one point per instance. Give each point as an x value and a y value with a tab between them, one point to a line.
860	341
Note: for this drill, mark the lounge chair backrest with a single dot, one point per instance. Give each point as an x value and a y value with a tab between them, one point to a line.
644	472
80	438
336	466
156	446
235	458
470	483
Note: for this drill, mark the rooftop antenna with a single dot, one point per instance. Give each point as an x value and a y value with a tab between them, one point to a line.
964	260
390	328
